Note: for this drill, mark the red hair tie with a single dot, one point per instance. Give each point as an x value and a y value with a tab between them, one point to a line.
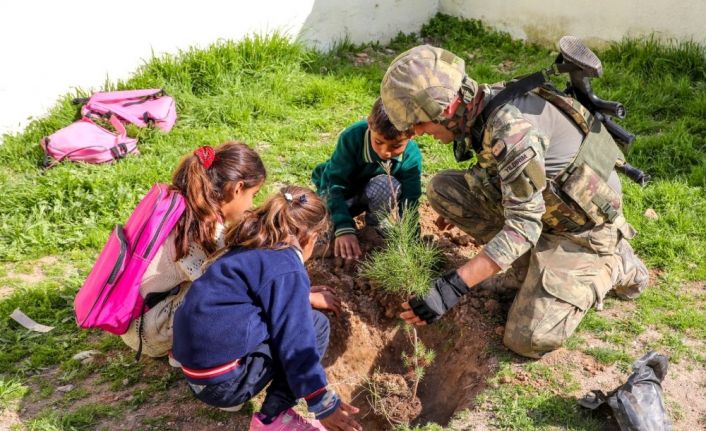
206	155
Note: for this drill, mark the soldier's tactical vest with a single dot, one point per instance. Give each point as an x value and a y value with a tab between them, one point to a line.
591	201
579	197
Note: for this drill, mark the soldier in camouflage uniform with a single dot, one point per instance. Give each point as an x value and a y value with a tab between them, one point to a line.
562	256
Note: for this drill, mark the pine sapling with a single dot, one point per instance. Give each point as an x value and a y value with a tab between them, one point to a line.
405	265
418	359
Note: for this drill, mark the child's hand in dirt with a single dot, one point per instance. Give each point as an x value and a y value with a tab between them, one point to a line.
347	247
443	223
323	298
341	420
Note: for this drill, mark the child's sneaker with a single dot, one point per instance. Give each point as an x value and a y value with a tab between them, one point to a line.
288	420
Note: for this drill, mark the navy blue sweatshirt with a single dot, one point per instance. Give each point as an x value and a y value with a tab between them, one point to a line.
245	298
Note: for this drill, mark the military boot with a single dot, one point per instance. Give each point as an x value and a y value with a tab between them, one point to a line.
629	274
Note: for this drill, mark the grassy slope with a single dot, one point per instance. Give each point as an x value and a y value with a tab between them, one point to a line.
290	103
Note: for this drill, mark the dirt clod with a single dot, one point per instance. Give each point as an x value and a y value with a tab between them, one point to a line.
461	240
651	214
391	398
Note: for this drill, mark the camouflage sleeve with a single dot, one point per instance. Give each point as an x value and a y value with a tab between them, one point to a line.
518	149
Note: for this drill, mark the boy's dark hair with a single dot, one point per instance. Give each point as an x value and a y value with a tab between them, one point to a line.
379	121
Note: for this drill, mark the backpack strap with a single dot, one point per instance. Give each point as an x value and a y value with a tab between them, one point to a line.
511	91
143	99
514	89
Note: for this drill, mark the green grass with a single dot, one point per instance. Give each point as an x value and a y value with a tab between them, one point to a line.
83	418
289	103
537	402
11	391
608	356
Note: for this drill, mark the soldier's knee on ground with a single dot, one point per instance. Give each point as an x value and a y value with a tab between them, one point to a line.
532	343
547	310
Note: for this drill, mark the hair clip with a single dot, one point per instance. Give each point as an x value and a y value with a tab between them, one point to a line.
288	196
206	155
302	198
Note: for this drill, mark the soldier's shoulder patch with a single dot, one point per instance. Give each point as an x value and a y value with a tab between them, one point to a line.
498	149
514	164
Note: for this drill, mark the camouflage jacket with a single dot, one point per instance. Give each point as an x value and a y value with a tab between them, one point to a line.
513	152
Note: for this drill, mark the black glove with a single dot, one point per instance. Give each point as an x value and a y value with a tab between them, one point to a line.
444	293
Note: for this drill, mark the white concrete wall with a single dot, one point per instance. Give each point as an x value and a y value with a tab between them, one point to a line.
47	47
595	21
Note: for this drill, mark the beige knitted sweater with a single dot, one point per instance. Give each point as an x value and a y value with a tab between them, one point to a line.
163	275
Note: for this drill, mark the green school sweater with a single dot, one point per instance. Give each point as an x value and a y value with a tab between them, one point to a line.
353	163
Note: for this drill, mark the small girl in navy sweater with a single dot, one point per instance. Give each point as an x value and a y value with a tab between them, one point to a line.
247	321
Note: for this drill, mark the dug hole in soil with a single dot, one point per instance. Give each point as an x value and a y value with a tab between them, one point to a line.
364	358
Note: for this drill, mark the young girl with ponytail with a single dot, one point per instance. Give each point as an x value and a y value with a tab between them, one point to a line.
248	321
218	186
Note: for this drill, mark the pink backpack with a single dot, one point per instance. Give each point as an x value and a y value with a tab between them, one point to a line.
86	141
110	297
139	107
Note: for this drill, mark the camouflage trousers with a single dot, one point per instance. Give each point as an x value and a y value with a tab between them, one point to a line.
559	279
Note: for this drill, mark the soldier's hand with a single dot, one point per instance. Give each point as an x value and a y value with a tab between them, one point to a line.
443	223
444	293
409	317
347	247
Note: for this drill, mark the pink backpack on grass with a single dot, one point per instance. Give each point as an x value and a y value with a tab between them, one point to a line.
139	107
86	141
110	297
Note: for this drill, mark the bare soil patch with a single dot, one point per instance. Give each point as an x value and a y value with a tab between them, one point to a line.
367	342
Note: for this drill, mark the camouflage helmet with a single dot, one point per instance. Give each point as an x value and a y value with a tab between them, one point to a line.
419	84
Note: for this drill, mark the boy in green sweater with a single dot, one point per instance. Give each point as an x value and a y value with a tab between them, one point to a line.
353	180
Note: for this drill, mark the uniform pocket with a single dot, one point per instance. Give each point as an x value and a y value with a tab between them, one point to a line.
600	202
568	288
561	308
